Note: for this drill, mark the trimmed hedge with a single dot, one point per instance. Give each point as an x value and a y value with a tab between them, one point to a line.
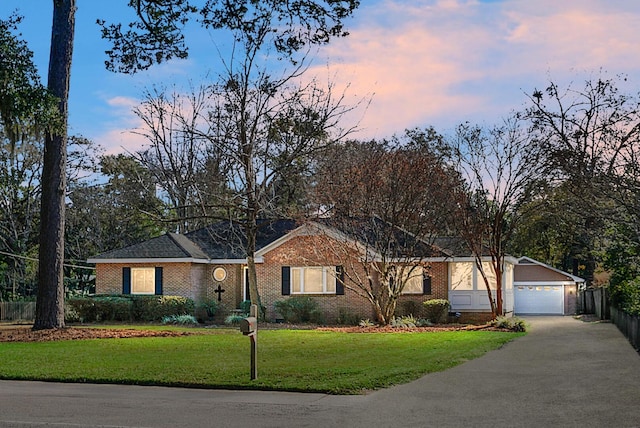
299	309
127	308
437	310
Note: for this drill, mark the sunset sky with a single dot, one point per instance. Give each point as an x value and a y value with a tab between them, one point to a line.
422	62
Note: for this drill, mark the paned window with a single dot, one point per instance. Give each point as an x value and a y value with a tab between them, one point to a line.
414	282
462	276
143	280
313	280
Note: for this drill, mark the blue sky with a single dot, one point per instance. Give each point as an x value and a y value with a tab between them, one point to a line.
423	62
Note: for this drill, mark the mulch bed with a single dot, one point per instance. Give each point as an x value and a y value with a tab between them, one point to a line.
430	329
25	334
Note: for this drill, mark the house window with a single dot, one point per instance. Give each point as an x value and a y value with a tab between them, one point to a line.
143	280
313	280
414	284
462	276
487	267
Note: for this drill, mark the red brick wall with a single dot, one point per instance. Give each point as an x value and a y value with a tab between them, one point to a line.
308	251
195	280
176	278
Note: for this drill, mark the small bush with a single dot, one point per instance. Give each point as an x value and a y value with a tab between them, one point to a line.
423	322
245	306
510	323
366	323
180	320
299	309
234	319
409	307
403	322
206	310
98	309
437	310
154	308
346	317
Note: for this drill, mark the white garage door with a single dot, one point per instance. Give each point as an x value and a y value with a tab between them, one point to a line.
539	299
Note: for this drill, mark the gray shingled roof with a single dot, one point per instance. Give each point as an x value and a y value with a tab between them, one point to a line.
169	246
226	241
223	240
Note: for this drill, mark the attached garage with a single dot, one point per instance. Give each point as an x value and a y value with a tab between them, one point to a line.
540	289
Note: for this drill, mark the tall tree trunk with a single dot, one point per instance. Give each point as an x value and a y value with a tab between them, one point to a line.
50	302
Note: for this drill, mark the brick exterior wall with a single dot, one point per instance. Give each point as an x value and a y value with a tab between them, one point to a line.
308	251
195	280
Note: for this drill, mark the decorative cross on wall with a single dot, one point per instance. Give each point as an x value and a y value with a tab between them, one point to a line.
219	290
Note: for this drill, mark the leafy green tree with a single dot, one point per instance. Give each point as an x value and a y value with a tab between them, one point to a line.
27	112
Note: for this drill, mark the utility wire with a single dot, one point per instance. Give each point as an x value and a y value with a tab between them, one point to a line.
36	260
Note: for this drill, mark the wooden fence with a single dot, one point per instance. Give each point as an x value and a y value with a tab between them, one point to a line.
17	311
629	325
594	301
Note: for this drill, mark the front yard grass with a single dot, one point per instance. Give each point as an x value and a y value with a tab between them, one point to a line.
288	360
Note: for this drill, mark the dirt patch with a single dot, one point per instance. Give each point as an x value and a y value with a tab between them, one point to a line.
25	334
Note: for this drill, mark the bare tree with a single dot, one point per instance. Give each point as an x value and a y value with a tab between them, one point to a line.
591	138
502	169
388	201
187	169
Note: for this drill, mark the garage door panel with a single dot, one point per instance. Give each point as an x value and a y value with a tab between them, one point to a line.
539	299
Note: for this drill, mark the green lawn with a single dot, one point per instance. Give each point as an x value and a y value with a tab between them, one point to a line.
288	360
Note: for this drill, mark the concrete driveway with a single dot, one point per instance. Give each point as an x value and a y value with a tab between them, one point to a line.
564	373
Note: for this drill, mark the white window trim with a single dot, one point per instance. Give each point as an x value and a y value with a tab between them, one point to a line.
328	273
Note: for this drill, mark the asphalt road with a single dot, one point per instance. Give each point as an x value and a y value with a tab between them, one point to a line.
564	373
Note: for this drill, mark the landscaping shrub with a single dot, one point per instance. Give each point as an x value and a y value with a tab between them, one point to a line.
154	308
510	323
409	307
346	317
407	321
366	323
234	319
299	309
437	310
99	308
180	320
126	308
206	310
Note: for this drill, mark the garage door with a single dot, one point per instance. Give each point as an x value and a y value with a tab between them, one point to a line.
539	299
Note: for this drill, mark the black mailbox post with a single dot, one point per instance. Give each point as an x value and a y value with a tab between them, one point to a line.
249	327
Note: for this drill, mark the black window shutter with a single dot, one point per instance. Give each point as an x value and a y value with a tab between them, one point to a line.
426	284
339	280
159	281
286	280
126	280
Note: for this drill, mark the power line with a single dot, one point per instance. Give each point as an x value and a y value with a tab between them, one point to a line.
36	260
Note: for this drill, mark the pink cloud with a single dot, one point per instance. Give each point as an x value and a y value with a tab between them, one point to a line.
444	62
